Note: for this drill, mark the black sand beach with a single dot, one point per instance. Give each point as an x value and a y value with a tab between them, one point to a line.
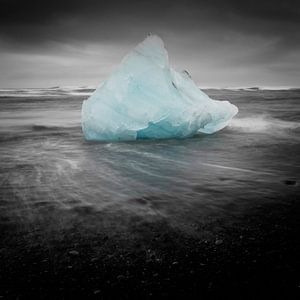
211	217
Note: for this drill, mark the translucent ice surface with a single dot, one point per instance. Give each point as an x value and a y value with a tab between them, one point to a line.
145	98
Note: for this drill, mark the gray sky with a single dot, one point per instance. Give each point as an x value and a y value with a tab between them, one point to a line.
221	43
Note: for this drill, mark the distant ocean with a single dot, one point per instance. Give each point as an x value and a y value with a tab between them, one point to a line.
52	180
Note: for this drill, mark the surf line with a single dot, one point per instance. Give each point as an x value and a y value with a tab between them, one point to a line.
235	169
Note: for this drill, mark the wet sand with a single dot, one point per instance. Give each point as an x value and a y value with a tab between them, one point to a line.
211	217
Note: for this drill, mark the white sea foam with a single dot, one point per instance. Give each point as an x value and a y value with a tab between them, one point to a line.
257	124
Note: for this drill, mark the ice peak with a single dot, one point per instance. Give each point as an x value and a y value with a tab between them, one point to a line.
153	48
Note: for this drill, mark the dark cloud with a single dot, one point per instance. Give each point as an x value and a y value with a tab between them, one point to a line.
18	16
243	34
20	11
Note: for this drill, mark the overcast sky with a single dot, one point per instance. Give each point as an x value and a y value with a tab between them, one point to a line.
47	43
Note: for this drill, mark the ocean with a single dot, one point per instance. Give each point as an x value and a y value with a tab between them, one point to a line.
95	218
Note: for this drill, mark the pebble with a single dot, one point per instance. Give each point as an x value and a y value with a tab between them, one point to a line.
94	259
74	252
121	277
219	242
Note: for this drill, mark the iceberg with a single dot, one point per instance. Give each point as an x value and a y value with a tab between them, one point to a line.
145	98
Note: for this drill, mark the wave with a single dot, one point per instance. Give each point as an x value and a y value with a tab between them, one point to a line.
261	88
47	92
257	124
15	133
58	91
36	127
44	127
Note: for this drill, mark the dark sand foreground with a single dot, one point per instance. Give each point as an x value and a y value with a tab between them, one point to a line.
255	256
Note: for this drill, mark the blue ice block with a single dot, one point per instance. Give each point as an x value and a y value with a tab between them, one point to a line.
145	98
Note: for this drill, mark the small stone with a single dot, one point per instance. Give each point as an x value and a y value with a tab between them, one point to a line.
94	259
74	252
121	277
219	242
97	292
175	263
